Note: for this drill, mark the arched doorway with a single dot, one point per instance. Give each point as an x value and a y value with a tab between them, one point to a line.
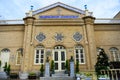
4	57
59	57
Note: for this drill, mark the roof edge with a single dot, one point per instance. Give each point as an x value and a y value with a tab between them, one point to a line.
58	4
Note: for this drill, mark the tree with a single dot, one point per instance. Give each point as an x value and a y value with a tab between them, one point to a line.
102	62
5	67
77	67
52	66
67	66
42	70
8	69
0	63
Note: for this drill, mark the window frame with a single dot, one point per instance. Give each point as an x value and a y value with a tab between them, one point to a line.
79	54
18	52
114	52
39	54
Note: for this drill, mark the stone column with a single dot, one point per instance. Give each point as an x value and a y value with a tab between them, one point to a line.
72	69
28	21
47	68
89	26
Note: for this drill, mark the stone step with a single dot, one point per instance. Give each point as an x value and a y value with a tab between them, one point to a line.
3	76
56	78
59	74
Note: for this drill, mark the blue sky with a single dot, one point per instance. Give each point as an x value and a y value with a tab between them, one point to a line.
16	9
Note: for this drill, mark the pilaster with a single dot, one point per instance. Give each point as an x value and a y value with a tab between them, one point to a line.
29	22
89	26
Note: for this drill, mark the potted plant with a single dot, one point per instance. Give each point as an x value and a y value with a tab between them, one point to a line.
0	65
67	67
77	69
103	77
42	70
88	76
52	67
5	67
13	75
8	69
102	62
32	75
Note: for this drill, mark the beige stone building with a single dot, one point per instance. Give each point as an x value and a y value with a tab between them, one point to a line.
58	31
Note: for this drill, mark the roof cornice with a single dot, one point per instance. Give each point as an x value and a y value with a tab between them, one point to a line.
58	4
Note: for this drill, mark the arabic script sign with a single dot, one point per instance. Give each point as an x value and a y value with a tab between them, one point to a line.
58	16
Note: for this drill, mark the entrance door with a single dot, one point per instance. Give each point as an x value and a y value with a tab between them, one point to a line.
4	57
59	58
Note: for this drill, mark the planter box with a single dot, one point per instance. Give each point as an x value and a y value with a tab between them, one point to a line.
41	74
23	75
3	76
104	79
88	78
13	76
32	77
77	75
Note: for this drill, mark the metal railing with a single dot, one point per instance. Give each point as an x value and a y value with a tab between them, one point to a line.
114	74
17	21
107	20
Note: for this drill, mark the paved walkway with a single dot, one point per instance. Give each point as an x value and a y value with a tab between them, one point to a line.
21	79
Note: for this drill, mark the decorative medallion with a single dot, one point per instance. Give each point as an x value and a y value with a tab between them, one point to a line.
59	37
77	37
40	37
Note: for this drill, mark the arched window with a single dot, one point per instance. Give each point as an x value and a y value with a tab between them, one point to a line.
18	56
79	54
59	47
115	56
5	50
39	55
4	57
59	57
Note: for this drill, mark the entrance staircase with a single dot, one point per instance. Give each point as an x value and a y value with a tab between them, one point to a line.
58	76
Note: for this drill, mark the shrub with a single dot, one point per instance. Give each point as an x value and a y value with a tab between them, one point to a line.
77	67
52	67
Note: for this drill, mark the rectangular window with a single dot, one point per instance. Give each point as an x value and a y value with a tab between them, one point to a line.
81	51
56	66
39	56
18	58
56	56
77	60
79	54
41	60
76	50
42	51
37	60
37	52
42	56
63	66
82	60
63	56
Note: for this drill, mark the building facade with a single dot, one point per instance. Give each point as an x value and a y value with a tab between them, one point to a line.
58	31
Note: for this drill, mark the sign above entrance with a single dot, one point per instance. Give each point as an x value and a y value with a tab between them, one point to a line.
58	17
